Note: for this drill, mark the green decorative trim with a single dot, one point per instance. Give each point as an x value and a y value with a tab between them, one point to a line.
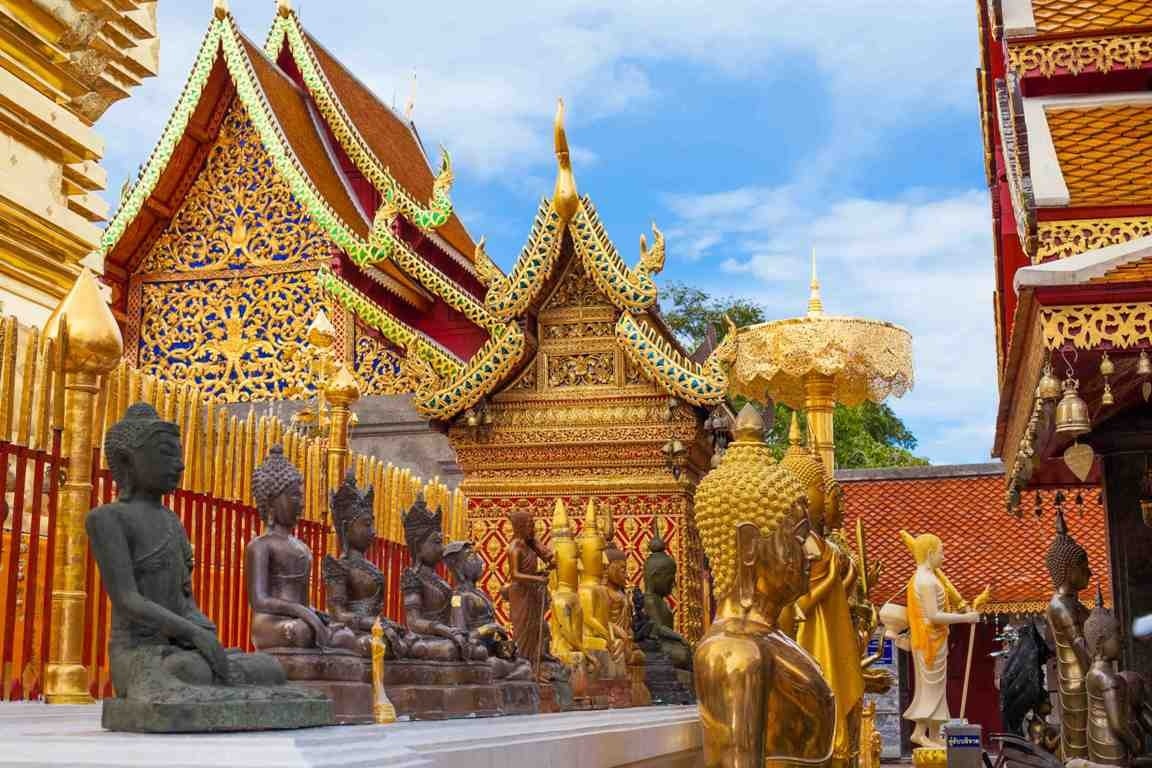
631	290
399	333
169	138
490	365
699	385
427	218
508	297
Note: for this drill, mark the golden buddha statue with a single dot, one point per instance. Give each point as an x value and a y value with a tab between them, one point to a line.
762	698
1067	563
828	632
567	621
594	601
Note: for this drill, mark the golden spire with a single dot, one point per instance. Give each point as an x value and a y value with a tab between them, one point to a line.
559	517
284	8
749	427
794	437
590	517
94	343
220	9
564	197
815	304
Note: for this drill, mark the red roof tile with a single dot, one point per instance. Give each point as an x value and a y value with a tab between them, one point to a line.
983	544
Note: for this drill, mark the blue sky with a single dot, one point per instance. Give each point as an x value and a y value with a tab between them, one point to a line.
749	130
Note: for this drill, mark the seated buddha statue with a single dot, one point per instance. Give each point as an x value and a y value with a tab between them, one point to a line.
593	595
313	650
1115	700
478	615
168	668
1067	563
278	567
659	582
762	698
567	621
427	596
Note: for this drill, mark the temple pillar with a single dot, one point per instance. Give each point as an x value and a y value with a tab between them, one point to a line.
1130	540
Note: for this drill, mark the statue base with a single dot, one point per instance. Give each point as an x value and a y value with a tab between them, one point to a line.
442	690
555	697
247	709
665	682
929	757
337	674
641	697
519	697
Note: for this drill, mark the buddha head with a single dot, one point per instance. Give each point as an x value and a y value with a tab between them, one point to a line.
616	572
1102	631
809	470
352	516
1067	561
659	568
591	544
278	490
423	533
926	549
753	520
143	451
464	561
567	558
523	524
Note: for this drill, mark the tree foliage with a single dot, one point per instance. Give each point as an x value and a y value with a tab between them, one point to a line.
867	435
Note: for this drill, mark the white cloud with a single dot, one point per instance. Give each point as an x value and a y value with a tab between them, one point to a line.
488	73
921	263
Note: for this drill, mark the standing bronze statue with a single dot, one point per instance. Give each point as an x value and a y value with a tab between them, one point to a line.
168	668
624	649
313	650
762	698
527	589
1067	563
1116	735
473	610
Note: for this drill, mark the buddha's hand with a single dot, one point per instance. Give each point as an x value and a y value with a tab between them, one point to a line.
208	646
322	633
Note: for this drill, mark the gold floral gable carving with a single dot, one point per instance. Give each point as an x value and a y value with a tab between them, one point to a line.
236	337
1090	327
576	289
238	213
582	370
1061	239
378	367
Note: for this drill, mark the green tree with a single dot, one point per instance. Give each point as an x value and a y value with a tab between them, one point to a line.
867	435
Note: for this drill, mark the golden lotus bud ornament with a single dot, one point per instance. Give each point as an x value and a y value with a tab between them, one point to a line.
1072	412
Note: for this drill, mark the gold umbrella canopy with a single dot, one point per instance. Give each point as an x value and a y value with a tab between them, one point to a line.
815	361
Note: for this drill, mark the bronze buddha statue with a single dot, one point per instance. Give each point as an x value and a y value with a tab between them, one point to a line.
313	650
527	588
1115	701
473	610
1067	563
168	668
763	700
659	583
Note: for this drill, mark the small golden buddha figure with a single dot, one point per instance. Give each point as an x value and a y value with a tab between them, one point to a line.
763	700
623	648
1114	736
933	606
828	633
567	622
1067	563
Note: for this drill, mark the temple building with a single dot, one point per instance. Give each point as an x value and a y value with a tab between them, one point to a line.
62	64
1067	121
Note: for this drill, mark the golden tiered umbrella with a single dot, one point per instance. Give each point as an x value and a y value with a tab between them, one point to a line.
818	360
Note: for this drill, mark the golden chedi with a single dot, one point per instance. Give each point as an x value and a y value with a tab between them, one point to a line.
762	698
827	631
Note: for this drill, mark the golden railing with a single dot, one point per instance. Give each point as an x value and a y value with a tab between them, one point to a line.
48	612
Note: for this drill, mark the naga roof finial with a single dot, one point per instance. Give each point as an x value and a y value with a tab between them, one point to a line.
815	304
220	9
564	196
410	105
284	8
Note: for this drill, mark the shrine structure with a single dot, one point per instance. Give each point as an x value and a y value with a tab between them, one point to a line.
1066	117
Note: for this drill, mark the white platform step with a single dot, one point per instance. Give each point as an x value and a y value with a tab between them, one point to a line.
33	735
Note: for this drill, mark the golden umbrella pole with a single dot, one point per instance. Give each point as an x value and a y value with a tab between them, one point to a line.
820	404
92	347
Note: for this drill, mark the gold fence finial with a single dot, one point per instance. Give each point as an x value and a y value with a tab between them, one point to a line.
564	197
94	340
815	304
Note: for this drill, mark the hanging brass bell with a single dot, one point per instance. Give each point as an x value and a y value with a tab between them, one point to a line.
1107	398
1072	411
1106	366
1144	365
1049	386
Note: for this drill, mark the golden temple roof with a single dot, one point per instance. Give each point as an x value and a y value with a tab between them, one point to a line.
1074	16
1103	153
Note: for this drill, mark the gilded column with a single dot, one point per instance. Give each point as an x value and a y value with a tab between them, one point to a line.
340	392
92	347
819	404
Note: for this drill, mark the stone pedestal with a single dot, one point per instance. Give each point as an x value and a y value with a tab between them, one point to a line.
337	674
519	697
442	690
665	683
